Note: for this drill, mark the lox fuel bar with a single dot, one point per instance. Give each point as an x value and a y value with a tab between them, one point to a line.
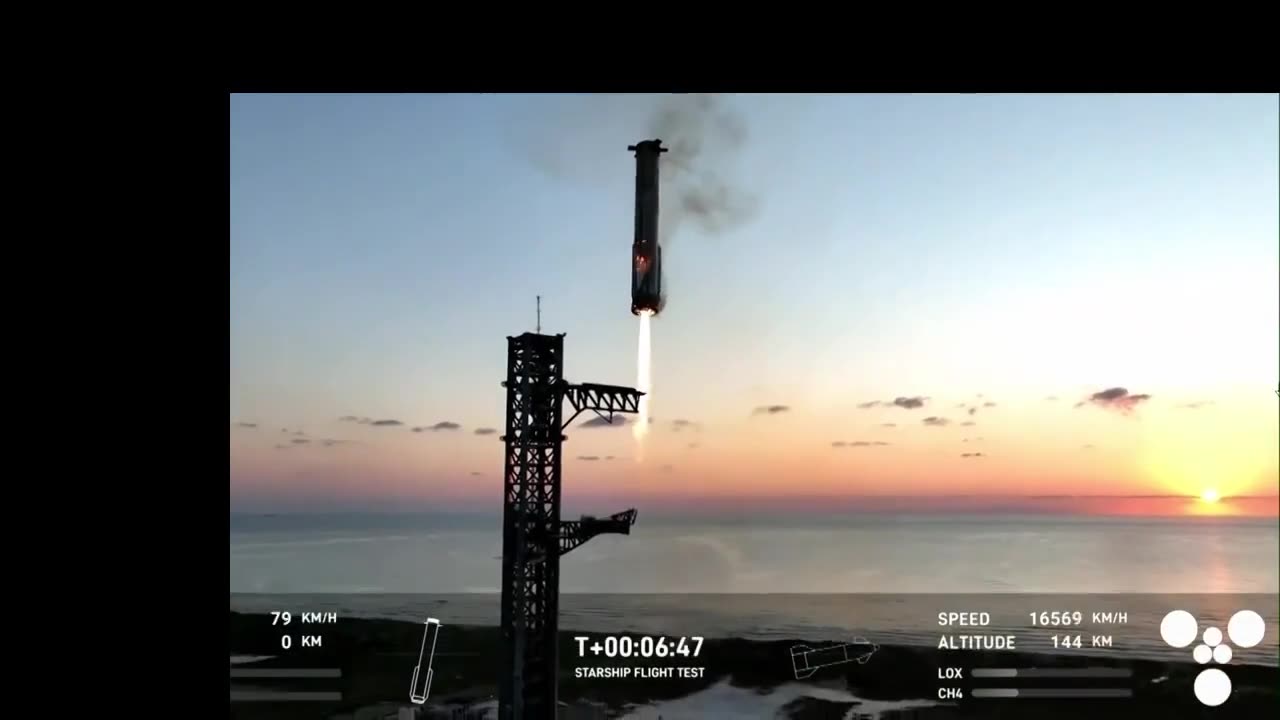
420	687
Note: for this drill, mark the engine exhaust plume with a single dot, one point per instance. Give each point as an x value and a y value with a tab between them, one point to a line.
643	383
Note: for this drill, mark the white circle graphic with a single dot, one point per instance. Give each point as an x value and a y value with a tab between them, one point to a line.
1212	636
1222	654
1246	628
1179	628
1213	687
1202	654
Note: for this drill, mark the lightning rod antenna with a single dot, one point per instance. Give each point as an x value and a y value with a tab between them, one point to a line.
539	326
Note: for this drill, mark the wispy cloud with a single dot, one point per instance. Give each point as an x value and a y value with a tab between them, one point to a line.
1051	398
859	443
486	431
330	442
969	440
300	441
693	446
362	420
384	423
598	422
442	426
968	423
988	404
771	409
1089	446
935	421
973	411
246	425
589	458
972	455
608	457
680	423
1116	398
476	473
282	447
1195	405
908	403
667	468
888	424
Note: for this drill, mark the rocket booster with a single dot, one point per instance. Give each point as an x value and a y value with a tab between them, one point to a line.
646	254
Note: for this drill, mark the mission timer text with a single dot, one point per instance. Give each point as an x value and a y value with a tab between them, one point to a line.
643	647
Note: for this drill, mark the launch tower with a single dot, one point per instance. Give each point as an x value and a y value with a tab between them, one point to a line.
533	535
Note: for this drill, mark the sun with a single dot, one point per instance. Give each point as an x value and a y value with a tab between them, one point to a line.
1209	495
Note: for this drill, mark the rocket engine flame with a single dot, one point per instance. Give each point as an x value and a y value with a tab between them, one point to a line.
643	382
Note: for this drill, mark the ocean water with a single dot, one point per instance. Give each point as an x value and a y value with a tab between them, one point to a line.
830	579
851	554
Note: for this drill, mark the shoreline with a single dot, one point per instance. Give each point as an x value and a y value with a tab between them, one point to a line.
376	658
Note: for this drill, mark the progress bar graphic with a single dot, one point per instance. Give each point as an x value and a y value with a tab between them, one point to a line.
286	673
272	696
1086	672
249	694
1043	693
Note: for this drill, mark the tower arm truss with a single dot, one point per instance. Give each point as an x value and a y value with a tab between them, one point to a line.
603	400
575	532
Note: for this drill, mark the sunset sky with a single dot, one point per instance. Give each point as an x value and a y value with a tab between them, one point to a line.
994	264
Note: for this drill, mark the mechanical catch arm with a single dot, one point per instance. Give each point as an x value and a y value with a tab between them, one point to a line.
600	399
575	532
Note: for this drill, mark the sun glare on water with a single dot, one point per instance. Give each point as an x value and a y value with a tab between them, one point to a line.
1210	496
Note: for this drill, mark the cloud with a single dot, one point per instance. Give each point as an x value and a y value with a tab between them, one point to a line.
246	425
476	473
1051	398
300	441
1195	405
973	411
859	443
330	442
1116	398
442	425
889	425
486	431
771	409
961	406
869	404
968	423
935	421
667	468
608	457
971	455
909	403
1090	446
988	403
838	443
976	439
590	458
364	420
282	447
381	423
680	423
598	421
693	446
